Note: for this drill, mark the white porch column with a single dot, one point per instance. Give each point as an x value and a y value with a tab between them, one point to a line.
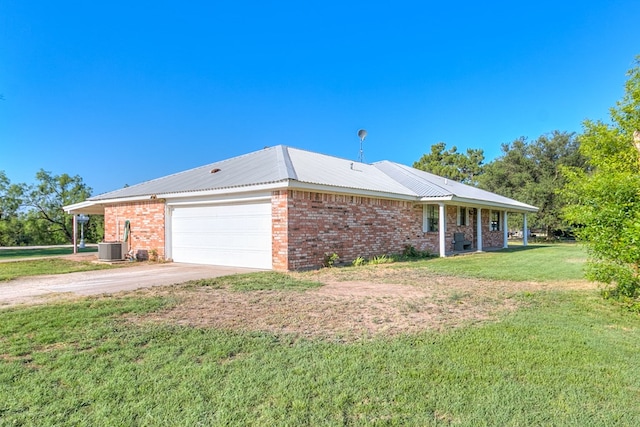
505	230
479	230
442	228
525	231
75	233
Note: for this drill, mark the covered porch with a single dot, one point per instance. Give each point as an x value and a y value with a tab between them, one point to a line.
464	227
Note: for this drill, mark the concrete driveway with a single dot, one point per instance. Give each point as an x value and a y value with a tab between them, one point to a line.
40	288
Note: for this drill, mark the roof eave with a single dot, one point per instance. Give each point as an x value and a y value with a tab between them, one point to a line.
294	185
523	208
87	207
298	185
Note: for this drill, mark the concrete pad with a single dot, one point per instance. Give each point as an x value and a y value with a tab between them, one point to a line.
35	288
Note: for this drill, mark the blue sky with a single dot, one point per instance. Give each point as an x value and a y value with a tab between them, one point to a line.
122	92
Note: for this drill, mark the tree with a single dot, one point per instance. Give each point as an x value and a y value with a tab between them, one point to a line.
11	227
450	164
605	200
45	199
531	172
9	197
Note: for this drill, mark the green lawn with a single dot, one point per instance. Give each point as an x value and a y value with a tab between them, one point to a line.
564	358
36	267
561	261
540	263
41	252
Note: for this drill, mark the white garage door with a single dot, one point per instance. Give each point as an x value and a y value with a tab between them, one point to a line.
235	235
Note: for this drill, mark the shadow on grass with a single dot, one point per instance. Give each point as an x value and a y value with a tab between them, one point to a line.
519	248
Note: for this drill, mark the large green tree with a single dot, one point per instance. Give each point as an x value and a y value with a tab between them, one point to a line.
11	226
32	214
9	197
44	201
451	164
605	201
530	171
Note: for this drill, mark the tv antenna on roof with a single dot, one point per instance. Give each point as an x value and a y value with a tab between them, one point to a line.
362	134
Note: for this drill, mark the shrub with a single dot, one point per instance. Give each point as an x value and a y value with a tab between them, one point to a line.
410	252
381	259
358	262
330	259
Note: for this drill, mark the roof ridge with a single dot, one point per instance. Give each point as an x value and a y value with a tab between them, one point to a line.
411	170
284	162
409	173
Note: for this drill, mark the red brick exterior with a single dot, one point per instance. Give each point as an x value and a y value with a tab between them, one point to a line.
280	230
308	225
491	239
147	221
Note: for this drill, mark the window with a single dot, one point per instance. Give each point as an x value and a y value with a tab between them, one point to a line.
430	216
462	215
495	221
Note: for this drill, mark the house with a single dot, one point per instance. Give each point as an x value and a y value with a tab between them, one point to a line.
284	208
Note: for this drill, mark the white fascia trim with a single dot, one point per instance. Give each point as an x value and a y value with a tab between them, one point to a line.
462	201
86	207
435	200
288	185
174	198
75	206
221	191
186	195
229	200
490	204
122	200
297	185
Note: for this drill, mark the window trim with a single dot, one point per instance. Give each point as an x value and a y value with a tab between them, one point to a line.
430	223
495	225
462	220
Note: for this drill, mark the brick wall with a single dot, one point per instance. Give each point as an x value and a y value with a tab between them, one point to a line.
147	225
313	224
308	225
491	239
279	230
453	227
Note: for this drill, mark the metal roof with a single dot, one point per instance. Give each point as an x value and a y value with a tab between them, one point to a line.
293	168
421	183
427	185
259	167
314	168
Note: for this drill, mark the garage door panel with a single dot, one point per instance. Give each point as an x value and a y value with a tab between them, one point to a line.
237	235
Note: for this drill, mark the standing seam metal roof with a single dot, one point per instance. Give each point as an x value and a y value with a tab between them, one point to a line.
287	164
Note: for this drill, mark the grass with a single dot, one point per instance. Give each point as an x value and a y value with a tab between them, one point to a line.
16	269
534	263
266	281
564	358
41	252
568	359
557	262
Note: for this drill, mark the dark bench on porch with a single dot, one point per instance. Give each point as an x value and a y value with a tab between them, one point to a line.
459	242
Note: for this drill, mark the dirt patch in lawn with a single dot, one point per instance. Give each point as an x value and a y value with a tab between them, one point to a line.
348	310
